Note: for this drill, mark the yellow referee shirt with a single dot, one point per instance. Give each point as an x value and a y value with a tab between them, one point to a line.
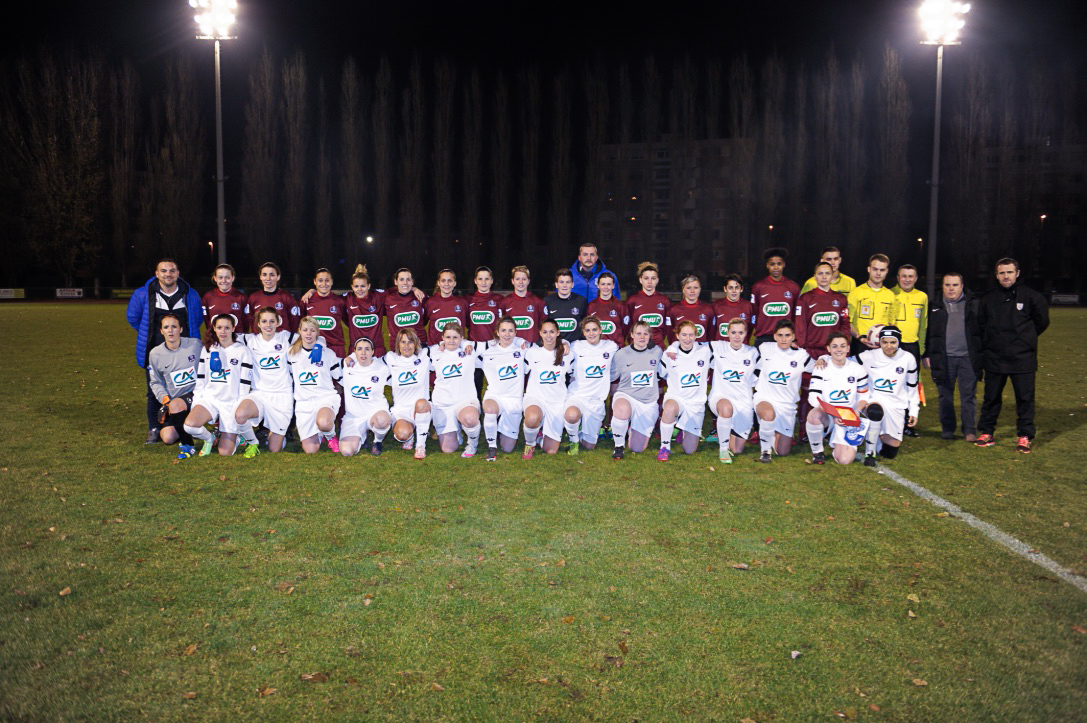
912	315
868	307
843	285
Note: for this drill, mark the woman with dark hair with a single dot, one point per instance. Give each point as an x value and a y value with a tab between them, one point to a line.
172	372
779	369
223	378
545	394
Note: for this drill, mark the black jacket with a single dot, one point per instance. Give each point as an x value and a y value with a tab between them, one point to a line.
1011	321
936	336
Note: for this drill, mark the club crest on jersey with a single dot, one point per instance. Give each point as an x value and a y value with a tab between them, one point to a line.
530	308
407	378
594	371
375	380
792	364
549	376
574	310
192	357
309	379
234	306
899	370
361	392
788	294
516	355
779	378
235	362
183	377
851	380
462	353
279	347
450	371
279	306
885	385
690	380
507	372
268	362
836	303
607	355
747	362
701	363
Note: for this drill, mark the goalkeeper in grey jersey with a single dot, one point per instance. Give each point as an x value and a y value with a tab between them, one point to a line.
634	404
171	368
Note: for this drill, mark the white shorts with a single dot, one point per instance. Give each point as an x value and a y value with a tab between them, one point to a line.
445	416
592	416
510	414
784	415
275	410
553	420
352	426
894	420
643	415
691	414
743	413
305	413
221	411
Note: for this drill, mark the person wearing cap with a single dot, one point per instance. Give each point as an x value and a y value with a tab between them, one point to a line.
893	400
1011	317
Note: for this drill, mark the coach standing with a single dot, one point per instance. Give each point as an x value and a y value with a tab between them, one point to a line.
165	293
1011	317
953	352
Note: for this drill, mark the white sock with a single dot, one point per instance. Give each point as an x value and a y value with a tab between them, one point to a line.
815	436
666	434
766	435
200	433
619	429
724	430
572	431
531	435
379	434
473	437
871	440
247	433
422	428
490	428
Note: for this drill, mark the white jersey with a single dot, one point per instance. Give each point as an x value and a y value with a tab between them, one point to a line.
504	367
364	388
687	374
892	380
733	370
780	371
271	371
592	368
454	374
234	377
842	386
314	380
545	379
409	377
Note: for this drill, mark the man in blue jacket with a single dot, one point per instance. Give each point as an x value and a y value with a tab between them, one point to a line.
587	269
166	292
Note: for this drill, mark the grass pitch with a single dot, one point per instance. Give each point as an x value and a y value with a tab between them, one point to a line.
296	586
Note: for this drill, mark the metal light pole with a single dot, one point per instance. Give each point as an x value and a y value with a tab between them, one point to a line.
214	20
941	21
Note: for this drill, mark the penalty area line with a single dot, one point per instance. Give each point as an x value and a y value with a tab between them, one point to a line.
991	531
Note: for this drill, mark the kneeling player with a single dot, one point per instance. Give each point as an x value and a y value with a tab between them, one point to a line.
409	369
454	401
892	380
733	382
315	370
634	403
777	392
366	409
503	364
272	400
686	366
841	382
224	376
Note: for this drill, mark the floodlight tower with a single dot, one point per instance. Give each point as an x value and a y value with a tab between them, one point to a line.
214	20
941	23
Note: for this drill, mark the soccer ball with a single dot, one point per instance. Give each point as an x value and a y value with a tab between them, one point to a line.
873	334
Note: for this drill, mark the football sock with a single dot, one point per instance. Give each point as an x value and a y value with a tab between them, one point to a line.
379	434
422	428
572	431
619	429
666	434
871	441
490	428
200	433
724	431
815	436
531	435
247	433
766	435
473	437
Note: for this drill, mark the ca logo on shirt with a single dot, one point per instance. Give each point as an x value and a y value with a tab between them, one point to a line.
183	377
641	379
269	362
408	378
779	378
309	379
594	371
360	392
549	376
451	371
507	372
838	396
690	380
885	385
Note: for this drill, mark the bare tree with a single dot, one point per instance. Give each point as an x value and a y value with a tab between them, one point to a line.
296	251
501	175
685	226
741	103
893	119
324	252
530	160
714	88
652	100
412	158
352	176
445	81
596	127
471	223
771	150
856	168
260	149
828	150
384	146
562	171
797	184
124	133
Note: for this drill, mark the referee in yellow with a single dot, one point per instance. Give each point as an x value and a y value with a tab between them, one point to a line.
871	303
838	281
911	317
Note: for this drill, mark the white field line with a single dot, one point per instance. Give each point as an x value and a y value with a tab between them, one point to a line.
993	533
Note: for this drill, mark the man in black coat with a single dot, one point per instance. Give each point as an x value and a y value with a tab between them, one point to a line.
1011	318
953	352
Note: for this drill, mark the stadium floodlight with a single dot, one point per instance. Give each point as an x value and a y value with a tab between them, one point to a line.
214	21
941	23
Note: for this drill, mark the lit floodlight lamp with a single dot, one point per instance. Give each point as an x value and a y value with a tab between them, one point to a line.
942	21
214	18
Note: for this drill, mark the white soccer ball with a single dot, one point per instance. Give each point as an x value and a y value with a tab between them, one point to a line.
873	334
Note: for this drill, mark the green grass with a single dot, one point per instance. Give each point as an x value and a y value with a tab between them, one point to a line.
551	589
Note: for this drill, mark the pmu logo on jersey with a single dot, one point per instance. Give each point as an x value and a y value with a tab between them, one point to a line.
701	331
779	378
825	318
566	325
183	377
406	318
776	308
309	379
594	371
440	324
523	322
483	317
641	379
550	376
406	379
364	321
654	320
690	380
268	363
361	392
885	385
507	372
607	327
451	371
734	376
839	396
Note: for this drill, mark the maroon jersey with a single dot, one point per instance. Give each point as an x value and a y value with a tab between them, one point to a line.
363	318
440	311
527	313
233	303
699	312
613	318
329	312
818	313
282	301
404	311
774	301
653	310
484	312
725	311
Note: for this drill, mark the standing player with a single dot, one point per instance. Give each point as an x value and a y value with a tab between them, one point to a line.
774	298
315	370
686	367
871	303
279	299
564	307
779	369
365	309
272	400
455	405
649	306
172	370
838	281
892	379
502	361
911	316
409	370
593	357
634	402
403	308
366	409
524	307
225	299
819	313
734	364
223	379
691	308
545	393
842	382
444	306
611	312
327	309
483	314
732	306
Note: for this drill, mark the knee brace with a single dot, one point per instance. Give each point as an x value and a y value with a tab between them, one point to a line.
888	452
874	412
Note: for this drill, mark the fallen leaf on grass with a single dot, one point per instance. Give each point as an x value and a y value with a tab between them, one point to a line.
623	647
911	613
315	677
190	649
1080	629
367	602
769	540
266	690
436	687
920	683
562	563
740	566
795	654
541	681
614	660
913	598
65	592
569	619
190	695
712	469
942	514
848	713
873	706
747	720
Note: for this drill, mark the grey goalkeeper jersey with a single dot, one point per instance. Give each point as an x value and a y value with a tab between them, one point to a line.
173	373
636	372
